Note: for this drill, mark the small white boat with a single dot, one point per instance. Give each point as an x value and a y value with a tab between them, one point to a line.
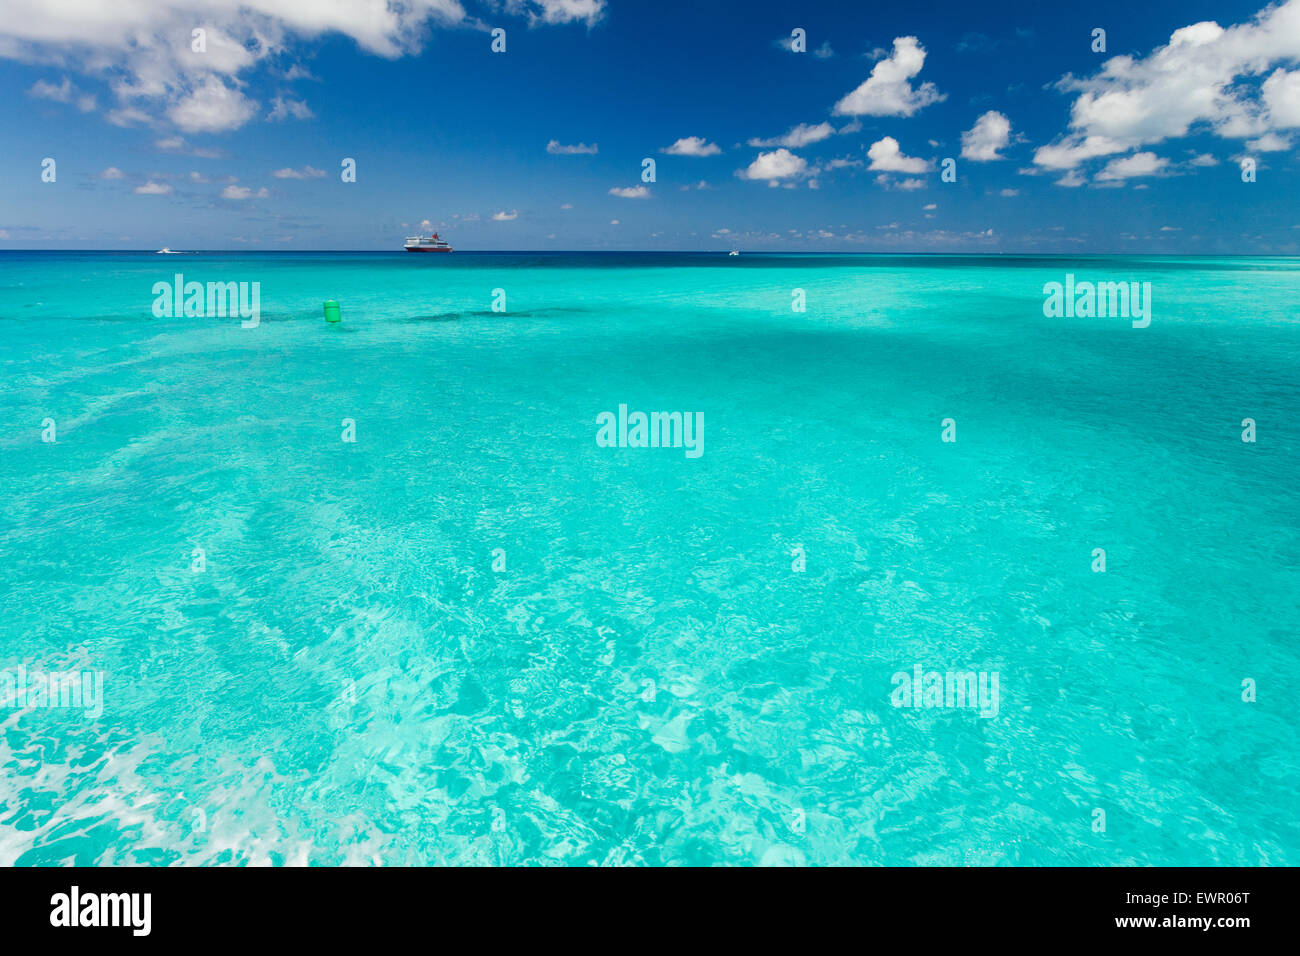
733	252
164	251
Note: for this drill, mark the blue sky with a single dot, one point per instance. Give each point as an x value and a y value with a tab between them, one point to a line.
1057	148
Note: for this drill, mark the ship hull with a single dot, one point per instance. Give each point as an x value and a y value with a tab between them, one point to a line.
427	249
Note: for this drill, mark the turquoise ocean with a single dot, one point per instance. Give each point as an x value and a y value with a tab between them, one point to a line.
474	635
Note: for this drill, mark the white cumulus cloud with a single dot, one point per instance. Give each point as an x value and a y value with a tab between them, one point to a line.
692	146
1281	94
630	192
981	142
1139	164
212	108
1197	81
141	49
776	165
888	91
886	155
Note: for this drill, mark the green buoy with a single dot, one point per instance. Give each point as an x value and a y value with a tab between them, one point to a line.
332	311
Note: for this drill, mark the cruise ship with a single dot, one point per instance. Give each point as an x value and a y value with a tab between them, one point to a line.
427	244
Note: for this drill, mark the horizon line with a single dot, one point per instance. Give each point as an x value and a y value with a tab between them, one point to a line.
723	251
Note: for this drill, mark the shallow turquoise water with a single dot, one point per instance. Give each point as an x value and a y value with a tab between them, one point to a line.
649	681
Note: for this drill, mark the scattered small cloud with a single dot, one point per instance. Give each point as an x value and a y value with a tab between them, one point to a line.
692	146
1269	143
1139	164
177	144
798	136
630	192
64	92
128	117
980	43
152	188
556	148
561	11
885	181
976	43
504	216
243	192
60	93
283	108
307	172
112	172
